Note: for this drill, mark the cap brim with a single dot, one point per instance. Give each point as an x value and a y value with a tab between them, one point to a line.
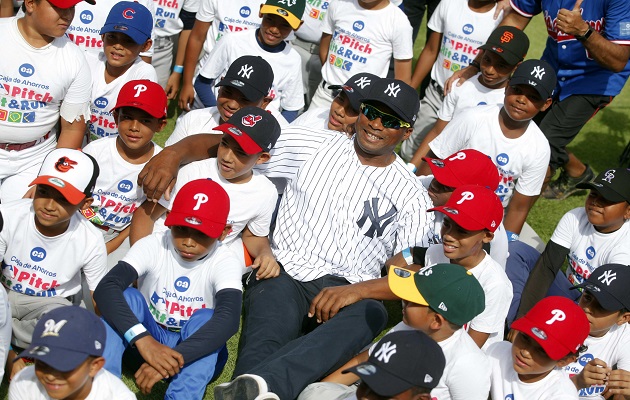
380	381
465	221
443	175
403	284
508	56
62	360
394	107
556	350
606	300
155	112
135	34
291	18
250	93
71	193
353	96
544	94
608	193
203	225
242	138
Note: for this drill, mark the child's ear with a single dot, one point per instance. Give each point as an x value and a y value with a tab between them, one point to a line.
624	318
115	114
488	236
226	230
627	214
96	366
265	102
566	360
163	122
29	5
263	157
146	46
87	203
407	133
546	105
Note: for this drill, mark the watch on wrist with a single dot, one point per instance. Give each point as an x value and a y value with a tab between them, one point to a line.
585	36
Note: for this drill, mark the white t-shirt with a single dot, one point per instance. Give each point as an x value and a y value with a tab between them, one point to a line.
313	17
105	95
497	289
470	94
364	40
175	288
286	91
167	22
467	372
227	16
89	20
35	82
116	193
106	386
463	32
613	348
314	118
588	249
39	265
506	384
522	162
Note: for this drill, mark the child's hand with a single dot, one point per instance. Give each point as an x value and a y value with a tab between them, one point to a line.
165	360
267	266
596	372
13	367
146	377
618	384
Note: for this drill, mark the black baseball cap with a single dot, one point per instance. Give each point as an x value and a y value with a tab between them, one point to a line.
253	128
538	74
613	184
609	285
509	42
397	95
252	75
402	360
357	88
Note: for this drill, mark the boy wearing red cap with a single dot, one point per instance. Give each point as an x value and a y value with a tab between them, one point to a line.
188	301
550	336
140	112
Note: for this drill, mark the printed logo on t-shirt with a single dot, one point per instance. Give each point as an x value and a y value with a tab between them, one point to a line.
509	397
101	102
125	186
26	70
182	284
590	252
245	12
585	359
468	29
38	254
358	26
503	159
86	17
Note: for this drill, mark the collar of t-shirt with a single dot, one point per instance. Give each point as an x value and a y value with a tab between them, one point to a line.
272	49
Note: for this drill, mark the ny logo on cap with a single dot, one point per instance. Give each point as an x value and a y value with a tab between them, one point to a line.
607	277
245	71
609	176
289	3
507	37
558	315
201	198
459	156
139	88
466	196
538	72
250	120
128	13
51	328
363	81
392	90
64	164
385	352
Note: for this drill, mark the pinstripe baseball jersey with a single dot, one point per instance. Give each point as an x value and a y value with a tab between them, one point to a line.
578	72
338	216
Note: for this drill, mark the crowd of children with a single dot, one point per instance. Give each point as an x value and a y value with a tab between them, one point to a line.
280	206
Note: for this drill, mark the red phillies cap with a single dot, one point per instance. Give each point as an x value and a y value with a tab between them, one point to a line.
68	3
145	95
473	208
558	324
466	167
201	204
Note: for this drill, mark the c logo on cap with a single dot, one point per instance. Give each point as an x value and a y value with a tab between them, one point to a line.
128	13
201	199
466	196
139	89
558	315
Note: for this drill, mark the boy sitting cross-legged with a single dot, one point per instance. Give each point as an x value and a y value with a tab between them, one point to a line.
188	301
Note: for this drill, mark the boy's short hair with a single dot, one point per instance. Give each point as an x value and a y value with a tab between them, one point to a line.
291	10
466	167
131	18
397	95
72	172
357	88
145	95
609	285
508	42
251	75
65	337
401	361
612	184
201	204
557	324
255	129
538	74
448	289
473	208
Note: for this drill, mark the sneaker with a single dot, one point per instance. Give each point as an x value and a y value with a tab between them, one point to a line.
244	387
268	396
564	186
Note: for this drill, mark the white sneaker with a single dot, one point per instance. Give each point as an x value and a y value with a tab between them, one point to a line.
244	387
267	396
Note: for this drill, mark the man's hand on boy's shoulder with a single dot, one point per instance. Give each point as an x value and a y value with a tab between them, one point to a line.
146	377
165	360
159	174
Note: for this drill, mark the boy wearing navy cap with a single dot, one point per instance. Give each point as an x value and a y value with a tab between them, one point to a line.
188	301
67	347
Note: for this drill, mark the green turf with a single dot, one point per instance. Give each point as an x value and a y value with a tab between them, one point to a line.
600	143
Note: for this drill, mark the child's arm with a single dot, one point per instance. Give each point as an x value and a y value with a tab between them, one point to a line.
323	47
117	241
427	59
264	260
424	148
193	49
172	85
402	70
423	167
349	378
480	338
517	211
143	219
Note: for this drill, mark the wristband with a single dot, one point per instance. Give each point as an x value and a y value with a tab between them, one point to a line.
407	255
585	36
475	64
411	167
178	68
512	237
133	332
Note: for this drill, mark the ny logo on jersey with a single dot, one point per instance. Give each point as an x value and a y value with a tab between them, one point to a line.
607	277
289	3
392	90
609	175
52	328
363	81
245	71
538	72
379	223
139	90
250	120
201	198
385	352
466	196
558	315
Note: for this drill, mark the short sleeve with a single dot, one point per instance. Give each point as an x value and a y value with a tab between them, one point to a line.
436	23
616	28
567	228
527	8
218	58
328	24
95	266
531	180
80	89
143	255
453	138
259	225
469	378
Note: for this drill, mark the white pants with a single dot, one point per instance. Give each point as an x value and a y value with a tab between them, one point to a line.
5	329
311	67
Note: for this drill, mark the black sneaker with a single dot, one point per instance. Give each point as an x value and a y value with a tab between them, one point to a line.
564	186
244	387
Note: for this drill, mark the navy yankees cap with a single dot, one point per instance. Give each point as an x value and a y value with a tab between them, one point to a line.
252	75
357	88
253	128
65	337
613	184
131	18
537	74
402	360
397	95
609	285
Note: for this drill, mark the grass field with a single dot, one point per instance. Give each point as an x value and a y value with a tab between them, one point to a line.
600	143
